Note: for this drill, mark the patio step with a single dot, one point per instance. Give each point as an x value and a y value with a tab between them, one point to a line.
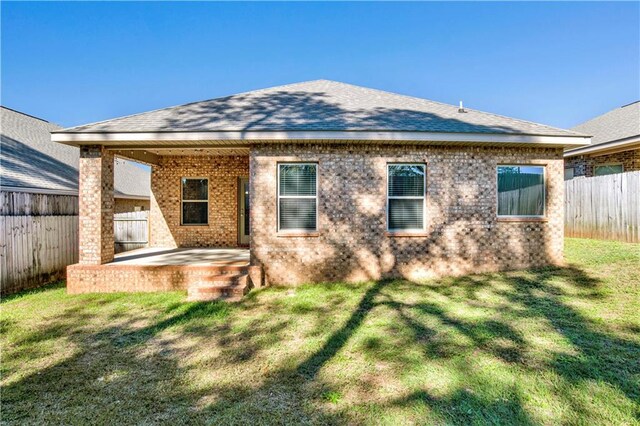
225	286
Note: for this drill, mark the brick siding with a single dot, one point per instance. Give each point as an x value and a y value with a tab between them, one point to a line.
146	278
584	165
96	205
463	234
223	173
124	205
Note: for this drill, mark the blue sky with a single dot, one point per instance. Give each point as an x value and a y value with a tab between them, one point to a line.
555	63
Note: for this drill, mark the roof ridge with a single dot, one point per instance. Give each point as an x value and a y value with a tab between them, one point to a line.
630	103
24	113
184	105
453	106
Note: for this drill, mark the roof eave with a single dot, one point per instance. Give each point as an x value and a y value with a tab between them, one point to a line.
146	139
72	192
605	147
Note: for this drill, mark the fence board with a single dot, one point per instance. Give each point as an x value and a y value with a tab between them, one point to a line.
604	207
130	230
36	249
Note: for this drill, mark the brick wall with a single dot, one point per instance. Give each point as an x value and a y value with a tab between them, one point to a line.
165	212
131	278
124	205
96	205
584	165
463	234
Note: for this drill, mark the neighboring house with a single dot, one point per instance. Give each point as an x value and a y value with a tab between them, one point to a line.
327	181
615	144
32	163
39	201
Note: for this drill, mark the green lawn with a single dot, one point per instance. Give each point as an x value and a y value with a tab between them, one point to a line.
536	347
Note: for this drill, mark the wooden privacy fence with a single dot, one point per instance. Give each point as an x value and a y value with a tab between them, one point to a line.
130	230
604	207
38	238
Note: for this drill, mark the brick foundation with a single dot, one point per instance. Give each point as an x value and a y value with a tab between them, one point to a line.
146	278
463	233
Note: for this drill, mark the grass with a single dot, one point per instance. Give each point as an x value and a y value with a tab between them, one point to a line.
550	346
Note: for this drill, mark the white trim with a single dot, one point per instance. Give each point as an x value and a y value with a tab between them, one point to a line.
39	190
182	201
606	146
423	198
295	230
240	136
544	193
131	197
66	192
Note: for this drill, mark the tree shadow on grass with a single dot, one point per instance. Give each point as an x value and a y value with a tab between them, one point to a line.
134	374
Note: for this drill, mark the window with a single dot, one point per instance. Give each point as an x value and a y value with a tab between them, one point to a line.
297	197
608	169
195	201
521	191
405	197
568	173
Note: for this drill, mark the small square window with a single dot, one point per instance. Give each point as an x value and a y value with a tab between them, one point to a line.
569	173
195	201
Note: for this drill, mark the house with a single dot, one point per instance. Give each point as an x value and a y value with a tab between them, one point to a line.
39	201
31	163
322	181
615	144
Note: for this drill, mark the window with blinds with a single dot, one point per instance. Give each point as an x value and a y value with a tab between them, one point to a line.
406	185
297	197
521	191
195	201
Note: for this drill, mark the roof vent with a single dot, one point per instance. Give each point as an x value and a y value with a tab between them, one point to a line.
461	108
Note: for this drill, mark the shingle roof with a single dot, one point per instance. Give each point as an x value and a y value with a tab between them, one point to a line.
29	159
320	105
620	123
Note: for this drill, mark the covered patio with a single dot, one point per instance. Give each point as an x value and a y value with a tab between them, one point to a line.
184	256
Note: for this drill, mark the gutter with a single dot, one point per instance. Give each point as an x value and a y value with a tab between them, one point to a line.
244	138
605	147
66	192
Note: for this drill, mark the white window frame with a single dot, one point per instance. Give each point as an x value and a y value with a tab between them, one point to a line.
544	193
595	167
424	199
182	201
296	230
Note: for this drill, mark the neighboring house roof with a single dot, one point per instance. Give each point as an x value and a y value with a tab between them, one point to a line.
618	129
31	161
320	105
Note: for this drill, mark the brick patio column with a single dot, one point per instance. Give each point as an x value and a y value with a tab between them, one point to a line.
96	205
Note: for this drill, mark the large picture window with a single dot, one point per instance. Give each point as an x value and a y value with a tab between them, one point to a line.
297	197
195	201
406	197
521	191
